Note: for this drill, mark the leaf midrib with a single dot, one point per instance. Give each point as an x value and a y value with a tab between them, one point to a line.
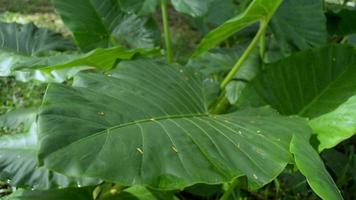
184	116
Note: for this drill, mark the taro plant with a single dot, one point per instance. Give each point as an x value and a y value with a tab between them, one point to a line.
118	121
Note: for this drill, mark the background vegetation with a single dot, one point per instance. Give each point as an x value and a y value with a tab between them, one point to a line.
340	161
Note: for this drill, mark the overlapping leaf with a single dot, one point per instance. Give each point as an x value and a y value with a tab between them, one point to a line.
102	23
18	157
300	24
29	40
59	194
312	167
258	10
148	124
319	84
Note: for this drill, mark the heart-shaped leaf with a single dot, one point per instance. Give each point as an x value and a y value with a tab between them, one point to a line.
147	123
319	84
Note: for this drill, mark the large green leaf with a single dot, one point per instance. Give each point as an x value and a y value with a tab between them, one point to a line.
147	123
18	158
102	23
29	40
257	11
312	167
319	84
301	24
59	194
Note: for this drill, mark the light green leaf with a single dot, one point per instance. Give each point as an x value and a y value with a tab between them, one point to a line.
312	167
336	126
258	10
318	84
18	158
142	193
60	194
300	24
140	7
194	8
103	59
101	23
148	124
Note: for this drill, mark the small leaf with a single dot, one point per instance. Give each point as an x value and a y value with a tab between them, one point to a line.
194	8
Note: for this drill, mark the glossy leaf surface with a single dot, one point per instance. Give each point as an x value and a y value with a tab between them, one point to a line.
148	124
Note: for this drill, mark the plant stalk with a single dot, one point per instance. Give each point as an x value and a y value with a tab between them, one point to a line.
167	33
245	55
230	190
222	101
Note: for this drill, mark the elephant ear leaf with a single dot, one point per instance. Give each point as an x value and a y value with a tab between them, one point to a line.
318	84
29	40
147	123
300	24
102	23
18	156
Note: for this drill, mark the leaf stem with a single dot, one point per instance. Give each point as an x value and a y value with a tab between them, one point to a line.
167	34
230	190
245	55
222	101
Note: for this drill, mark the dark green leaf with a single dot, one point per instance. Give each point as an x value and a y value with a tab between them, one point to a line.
342	23
29	40
319	84
300	23
148	124
18	158
102	23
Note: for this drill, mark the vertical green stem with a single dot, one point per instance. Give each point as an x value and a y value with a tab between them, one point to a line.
167	34
245	55
222	101
230	190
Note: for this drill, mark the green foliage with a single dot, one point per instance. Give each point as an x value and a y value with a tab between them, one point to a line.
244	118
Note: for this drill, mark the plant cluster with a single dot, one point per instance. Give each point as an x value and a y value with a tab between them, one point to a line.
269	87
